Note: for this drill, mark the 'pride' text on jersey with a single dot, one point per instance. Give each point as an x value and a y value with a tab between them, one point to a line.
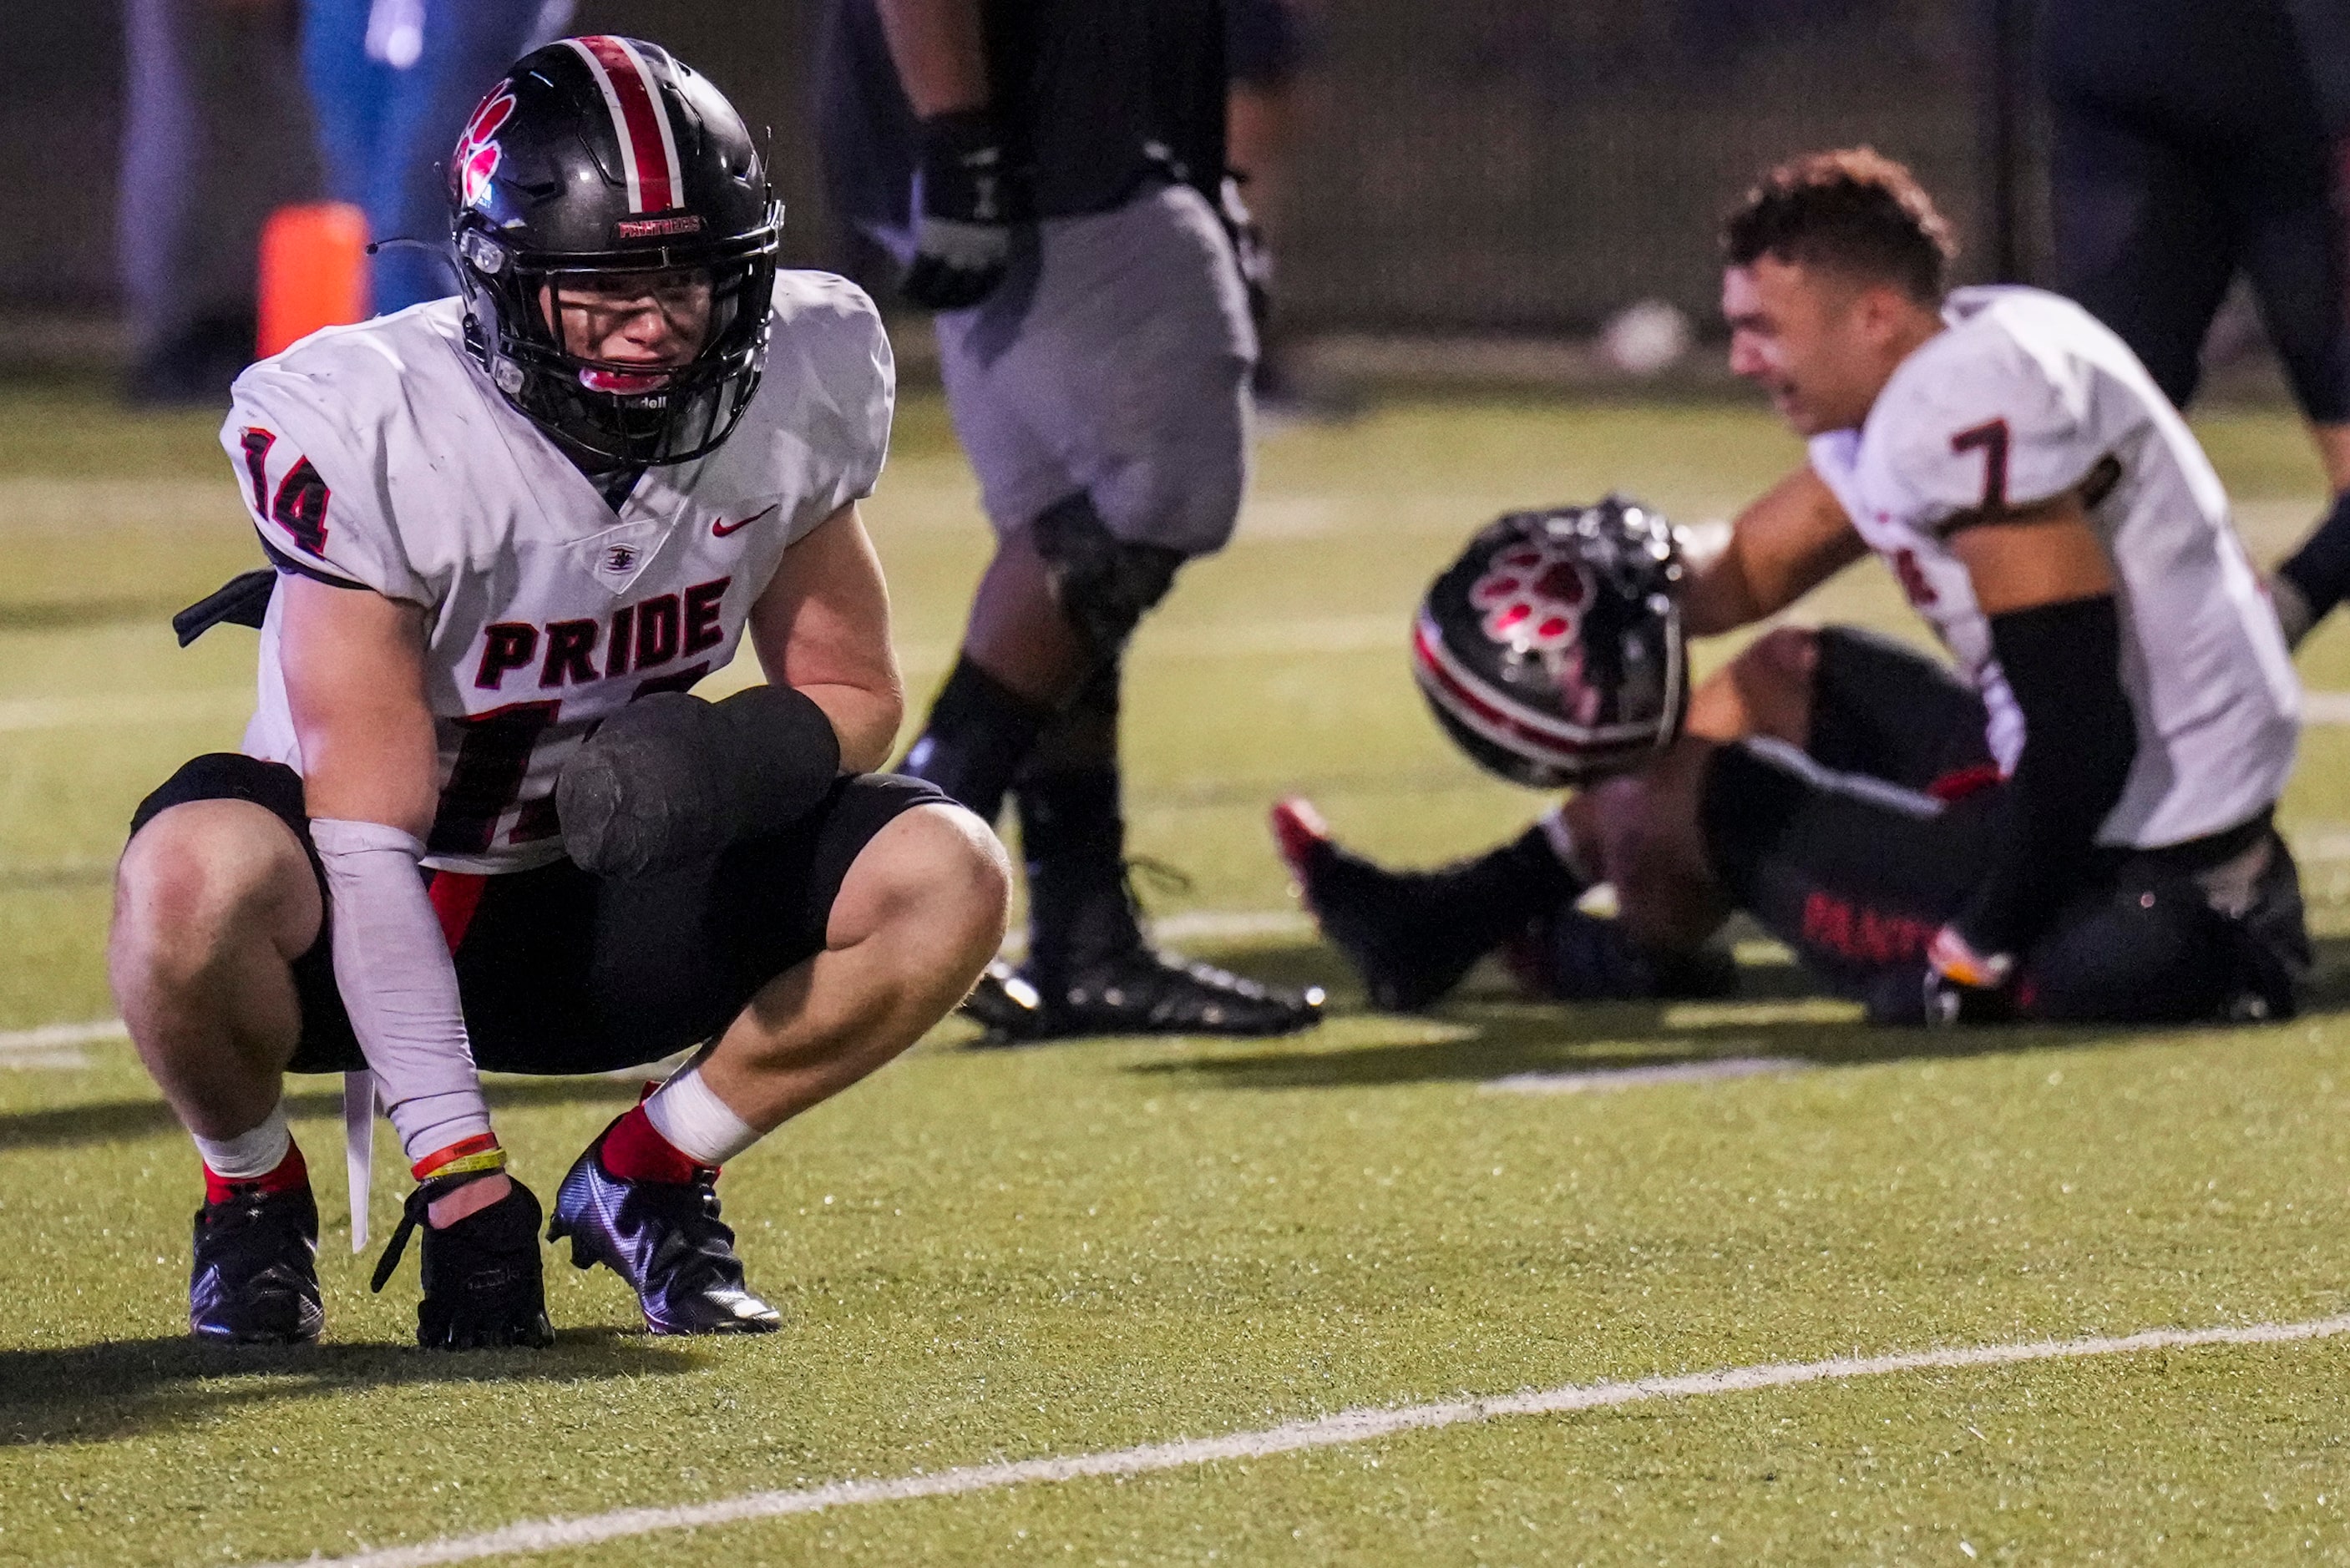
380	457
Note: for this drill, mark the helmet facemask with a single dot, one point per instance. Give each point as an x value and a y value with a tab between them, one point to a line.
601	408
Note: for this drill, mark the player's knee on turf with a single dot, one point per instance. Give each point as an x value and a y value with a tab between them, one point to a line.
203	875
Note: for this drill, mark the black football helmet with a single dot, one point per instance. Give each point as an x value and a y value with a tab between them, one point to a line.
604	157
1552	650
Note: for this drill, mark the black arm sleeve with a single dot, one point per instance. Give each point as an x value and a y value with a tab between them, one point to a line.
2063	663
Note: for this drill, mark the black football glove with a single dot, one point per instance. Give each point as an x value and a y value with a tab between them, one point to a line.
483	1284
1964	987
1250	250
962	234
672	778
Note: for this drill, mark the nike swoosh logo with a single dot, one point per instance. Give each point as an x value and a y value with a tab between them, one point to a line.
722	529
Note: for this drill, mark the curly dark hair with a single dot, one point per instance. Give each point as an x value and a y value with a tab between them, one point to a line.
1852	211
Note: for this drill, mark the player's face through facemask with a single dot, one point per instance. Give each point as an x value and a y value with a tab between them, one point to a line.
630	329
1805	337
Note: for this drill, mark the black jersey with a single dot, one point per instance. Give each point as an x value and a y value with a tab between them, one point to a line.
1097	97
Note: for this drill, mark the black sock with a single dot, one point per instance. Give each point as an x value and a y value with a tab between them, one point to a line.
1074	839
1495	894
2321	567
979	732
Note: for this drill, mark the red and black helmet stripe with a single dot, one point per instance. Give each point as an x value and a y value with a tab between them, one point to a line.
640	121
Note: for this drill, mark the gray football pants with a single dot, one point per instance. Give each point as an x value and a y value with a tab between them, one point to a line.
1114	361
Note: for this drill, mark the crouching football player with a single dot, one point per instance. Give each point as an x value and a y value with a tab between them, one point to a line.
478	819
2075	825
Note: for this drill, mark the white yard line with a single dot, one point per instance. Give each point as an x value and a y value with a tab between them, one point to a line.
2325	707
99	709
55	1045
1634	1077
1357	1426
59	1036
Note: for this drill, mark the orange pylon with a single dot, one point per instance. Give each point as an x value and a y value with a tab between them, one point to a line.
314	272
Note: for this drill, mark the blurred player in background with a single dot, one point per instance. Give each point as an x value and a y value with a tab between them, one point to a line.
2080	828
391	83
1050	175
2194	140
1271	49
186	220
480	819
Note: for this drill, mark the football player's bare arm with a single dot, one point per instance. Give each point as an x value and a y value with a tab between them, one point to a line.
354	665
2033	555
822	628
1787	544
354	671
939	53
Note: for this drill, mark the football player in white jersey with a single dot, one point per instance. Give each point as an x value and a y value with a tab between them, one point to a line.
478	821
2075	823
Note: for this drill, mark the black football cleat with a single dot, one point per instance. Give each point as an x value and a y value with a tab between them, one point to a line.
255	1276
1570	956
665	1239
1398	928
484	1282
1139	991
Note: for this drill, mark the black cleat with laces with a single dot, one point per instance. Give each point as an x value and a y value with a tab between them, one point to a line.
255	1276
665	1239
1138	992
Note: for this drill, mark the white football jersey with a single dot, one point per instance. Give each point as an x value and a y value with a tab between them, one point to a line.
2026	396
380	456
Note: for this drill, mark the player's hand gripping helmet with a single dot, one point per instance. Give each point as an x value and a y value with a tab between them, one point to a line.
1553	650
603	158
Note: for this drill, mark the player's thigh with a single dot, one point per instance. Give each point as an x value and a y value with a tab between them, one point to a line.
2144	238
1853	873
1887	710
585	974
933	873
1131	363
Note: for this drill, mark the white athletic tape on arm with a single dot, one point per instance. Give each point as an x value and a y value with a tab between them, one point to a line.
398	984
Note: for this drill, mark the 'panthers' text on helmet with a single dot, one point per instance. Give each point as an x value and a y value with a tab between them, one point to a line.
1553	650
604	158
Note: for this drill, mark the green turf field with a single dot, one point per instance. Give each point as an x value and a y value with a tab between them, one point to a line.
987	1257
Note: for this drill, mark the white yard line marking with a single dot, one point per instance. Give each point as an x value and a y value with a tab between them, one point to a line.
99	709
1356	1426
59	1036
2325	707
1634	1077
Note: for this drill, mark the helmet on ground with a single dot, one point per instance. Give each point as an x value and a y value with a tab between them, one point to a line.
1552	650
603	159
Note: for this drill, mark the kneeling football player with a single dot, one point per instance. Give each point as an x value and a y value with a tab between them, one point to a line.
479	820
2074	824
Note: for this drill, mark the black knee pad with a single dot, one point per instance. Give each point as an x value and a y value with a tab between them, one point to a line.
1105	585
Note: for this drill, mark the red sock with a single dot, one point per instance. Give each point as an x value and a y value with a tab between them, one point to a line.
291	1173
634	1150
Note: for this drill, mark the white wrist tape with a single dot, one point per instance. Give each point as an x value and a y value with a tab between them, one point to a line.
398	984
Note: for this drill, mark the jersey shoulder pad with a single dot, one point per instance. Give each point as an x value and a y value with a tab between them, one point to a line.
1976	421
305	437
829	393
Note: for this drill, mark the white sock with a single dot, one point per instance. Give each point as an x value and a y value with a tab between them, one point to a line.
249	1156
696	1122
